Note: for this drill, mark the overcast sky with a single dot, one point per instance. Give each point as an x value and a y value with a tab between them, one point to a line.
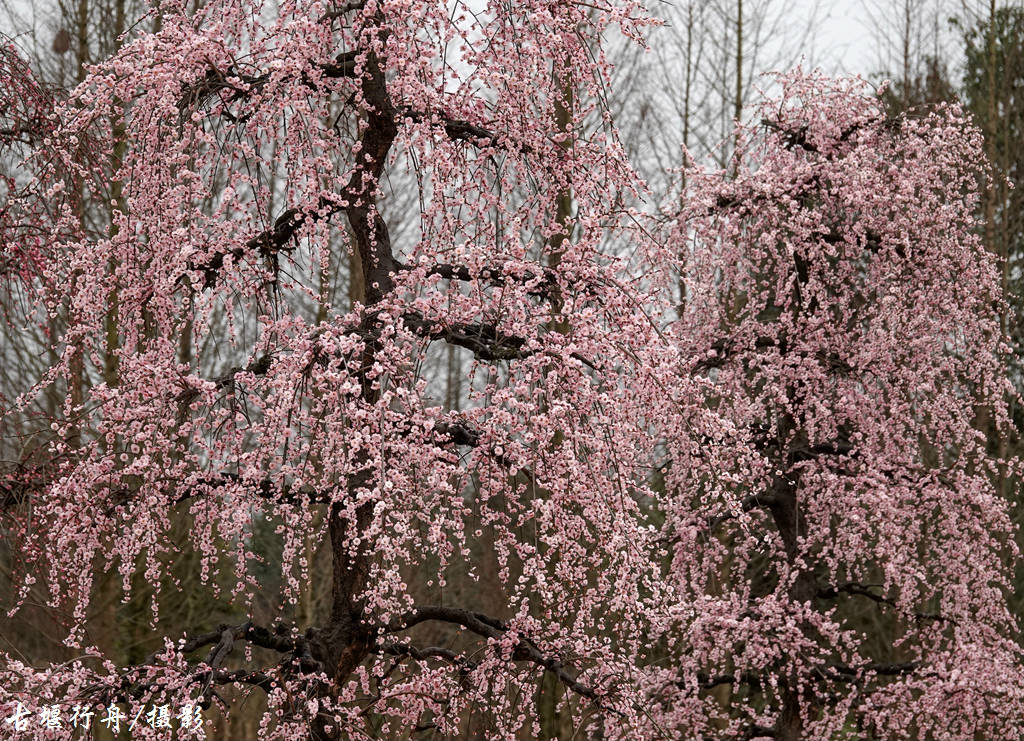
843	42
847	40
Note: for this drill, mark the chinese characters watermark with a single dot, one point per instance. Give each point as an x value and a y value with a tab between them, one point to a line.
112	717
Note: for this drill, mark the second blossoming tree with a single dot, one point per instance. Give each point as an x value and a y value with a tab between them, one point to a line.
841	303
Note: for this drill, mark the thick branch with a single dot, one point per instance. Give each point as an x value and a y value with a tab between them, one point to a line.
370	233
344	65
241	85
833	448
257	679
796	138
744	200
854	673
479	623
264	489
222	641
724	348
431	652
258	367
862	590
488	627
459	433
225	635
268	243
484	340
707	681
338	11
460	130
544	283
752	502
872	240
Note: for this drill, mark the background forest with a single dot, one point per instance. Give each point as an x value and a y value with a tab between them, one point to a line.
676	103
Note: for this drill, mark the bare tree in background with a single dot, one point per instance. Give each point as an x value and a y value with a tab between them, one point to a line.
678	101
912	40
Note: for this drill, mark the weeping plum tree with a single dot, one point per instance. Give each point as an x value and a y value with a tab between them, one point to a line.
847	314
614	472
252	140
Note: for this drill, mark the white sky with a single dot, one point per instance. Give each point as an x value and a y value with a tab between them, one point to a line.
843	42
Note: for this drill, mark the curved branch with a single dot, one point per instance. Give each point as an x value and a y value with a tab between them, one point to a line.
225	635
485	340
846	673
459	129
431	652
707	681
863	590
489	627
752	502
222	641
545	282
